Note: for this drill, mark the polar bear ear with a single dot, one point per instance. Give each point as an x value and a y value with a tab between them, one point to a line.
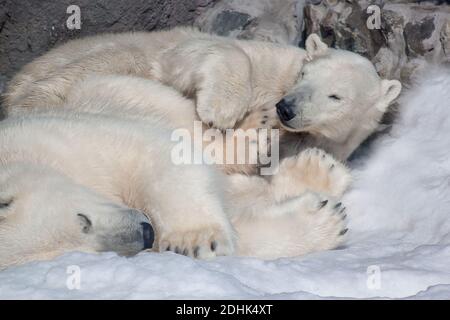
315	46
390	89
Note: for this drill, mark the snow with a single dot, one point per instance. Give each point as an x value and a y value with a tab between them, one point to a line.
399	219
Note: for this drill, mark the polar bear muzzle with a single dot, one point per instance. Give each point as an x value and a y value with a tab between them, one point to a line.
133	234
286	110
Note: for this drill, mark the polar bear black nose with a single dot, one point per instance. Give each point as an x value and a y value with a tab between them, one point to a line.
148	235
285	110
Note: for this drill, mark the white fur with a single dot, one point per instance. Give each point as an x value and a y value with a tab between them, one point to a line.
339	101
111	147
228	79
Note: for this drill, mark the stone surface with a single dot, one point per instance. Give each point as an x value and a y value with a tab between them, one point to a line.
269	20
28	28
411	32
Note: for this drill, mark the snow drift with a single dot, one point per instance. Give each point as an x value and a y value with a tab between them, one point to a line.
398	247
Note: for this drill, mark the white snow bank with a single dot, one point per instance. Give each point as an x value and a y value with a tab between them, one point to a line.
399	211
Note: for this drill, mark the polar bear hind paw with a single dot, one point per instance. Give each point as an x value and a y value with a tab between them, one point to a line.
326	222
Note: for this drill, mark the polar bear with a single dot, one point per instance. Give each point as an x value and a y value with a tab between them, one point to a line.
234	83
87	180
340	115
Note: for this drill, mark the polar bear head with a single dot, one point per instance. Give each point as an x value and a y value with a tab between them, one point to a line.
44	214
338	95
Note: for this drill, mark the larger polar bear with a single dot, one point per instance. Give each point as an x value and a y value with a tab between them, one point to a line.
336	96
96	178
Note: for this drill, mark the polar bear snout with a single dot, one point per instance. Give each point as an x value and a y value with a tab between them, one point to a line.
148	235
286	109
289	113
127	235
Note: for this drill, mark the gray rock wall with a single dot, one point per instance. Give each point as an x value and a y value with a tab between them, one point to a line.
269	20
29	28
410	32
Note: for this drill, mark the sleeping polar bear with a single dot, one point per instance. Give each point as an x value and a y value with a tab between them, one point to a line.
102	87
70	176
336	96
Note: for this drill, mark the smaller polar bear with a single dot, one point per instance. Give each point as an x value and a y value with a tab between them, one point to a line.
337	104
97	181
336	95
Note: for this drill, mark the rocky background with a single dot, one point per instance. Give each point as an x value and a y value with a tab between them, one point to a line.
410	32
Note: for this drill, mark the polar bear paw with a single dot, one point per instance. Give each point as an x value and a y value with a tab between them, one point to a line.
202	243
326	222
315	170
265	117
321	223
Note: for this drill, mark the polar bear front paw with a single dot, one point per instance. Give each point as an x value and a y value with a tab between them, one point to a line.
220	113
315	170
265	117
202	243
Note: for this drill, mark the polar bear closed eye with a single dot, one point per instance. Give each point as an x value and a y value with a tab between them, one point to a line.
339	98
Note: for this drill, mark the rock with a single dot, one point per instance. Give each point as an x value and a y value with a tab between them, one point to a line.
411	32
269	20
28	28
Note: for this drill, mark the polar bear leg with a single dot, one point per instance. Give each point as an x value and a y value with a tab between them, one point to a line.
280	217
314	170
187	211
294	227
224	94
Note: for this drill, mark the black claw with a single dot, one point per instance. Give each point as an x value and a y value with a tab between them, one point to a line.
344	216
263	122
265	117
342	210
323	204
343	232
196	250
177	250
168	248
185	252
213	246
338	205
332	167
